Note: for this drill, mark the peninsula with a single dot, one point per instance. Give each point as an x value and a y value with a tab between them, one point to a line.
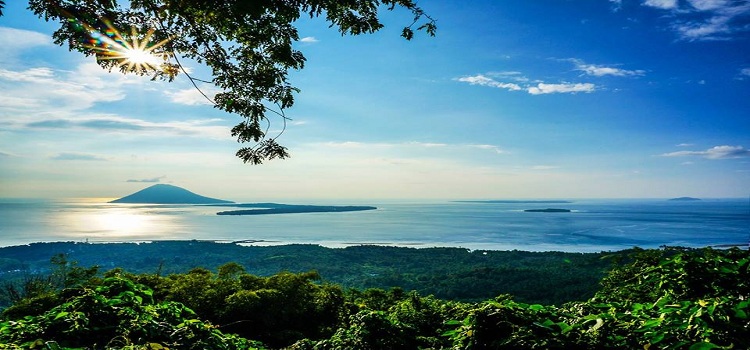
548	210
685	199
167	194
276	208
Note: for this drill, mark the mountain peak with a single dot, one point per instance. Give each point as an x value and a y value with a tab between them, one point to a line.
167	194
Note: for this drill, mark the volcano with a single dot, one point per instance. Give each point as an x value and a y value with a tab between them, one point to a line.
167	194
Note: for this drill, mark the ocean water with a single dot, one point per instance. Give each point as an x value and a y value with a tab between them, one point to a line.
592	226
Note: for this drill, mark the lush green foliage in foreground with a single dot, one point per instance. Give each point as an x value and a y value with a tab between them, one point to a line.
665	299
446	273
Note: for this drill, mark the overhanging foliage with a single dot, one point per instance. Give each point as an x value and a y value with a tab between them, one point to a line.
247	45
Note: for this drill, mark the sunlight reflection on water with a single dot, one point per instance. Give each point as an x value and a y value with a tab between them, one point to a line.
97	221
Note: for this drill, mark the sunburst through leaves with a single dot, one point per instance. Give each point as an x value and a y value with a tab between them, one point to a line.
136	53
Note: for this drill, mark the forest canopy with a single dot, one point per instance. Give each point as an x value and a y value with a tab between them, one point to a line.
247	45
667	299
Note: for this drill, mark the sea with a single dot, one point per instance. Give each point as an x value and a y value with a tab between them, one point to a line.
591	225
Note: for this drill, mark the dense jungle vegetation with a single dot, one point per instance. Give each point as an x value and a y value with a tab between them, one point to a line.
446	273
670	298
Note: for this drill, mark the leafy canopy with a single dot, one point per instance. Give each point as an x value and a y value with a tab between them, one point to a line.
248	45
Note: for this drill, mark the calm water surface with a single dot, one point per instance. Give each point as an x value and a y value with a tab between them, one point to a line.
593	225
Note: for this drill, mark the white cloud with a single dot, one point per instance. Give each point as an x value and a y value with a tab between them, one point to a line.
662	4
706	5
427	144
684	145
492	148
309	40
697	20
539	89
543	88
38	89
347	144
512	75
77	156
120	125
16	102
745	72
544	167
483	80
148	180
600	71
192	96
717	152
31	75
413	145
708	30
12	39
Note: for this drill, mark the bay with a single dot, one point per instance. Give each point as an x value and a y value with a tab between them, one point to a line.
591	226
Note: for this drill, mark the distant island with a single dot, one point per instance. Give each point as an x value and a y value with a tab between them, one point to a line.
548	210
503	201
276	208
685	199
167	194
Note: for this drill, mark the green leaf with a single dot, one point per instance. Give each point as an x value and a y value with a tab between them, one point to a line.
546	324
61	315
449	333
657	338
704	346
740	314
536	307
564	327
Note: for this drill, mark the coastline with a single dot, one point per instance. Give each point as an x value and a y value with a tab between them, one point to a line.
596	225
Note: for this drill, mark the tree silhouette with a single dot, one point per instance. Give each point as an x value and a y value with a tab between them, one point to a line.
248	45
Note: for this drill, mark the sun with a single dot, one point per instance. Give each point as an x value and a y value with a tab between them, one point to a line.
135	53
138	56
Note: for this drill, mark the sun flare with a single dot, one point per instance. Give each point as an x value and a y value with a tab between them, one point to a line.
138	56
136	53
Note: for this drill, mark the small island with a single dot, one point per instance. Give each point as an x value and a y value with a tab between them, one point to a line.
548	210
685	199
275	208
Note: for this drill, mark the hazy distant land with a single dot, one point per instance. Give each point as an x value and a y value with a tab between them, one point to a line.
169	194
548	210
685	199
276	208
503	201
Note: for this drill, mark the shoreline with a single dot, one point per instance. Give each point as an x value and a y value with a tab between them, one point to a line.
471	247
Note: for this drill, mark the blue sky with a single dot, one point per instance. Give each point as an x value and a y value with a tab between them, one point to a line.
511	99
